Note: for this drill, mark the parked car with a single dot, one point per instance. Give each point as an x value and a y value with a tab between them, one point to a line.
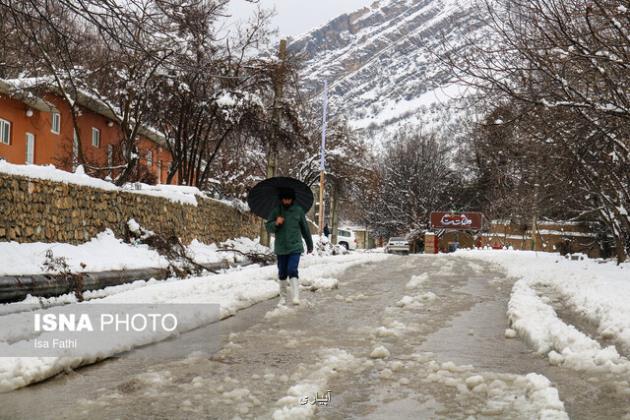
346	238
397	245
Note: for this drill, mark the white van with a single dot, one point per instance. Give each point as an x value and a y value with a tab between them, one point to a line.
346	238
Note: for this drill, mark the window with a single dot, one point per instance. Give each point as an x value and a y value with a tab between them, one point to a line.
56	123
30	148
5	131
149	159
159	172
96	137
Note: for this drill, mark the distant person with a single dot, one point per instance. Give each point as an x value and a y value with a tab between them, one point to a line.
326	231
288	223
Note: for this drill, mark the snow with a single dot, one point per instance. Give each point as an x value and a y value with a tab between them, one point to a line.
281	311
326	283
566	233
208	254
246	246
102	253
202	253
416	302
417	281
50	173
392	328
107	253
234	290
510	333
315	381
133	226
393	110
406	91
473	381
596	290
380	352
503	395
226	100
175	193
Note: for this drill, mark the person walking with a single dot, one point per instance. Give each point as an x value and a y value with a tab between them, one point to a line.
288	223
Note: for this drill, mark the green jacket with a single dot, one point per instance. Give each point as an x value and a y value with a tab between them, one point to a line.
289	235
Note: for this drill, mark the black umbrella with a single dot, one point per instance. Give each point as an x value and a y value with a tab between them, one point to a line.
263	198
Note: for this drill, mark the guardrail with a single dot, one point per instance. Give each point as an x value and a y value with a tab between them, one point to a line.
17	288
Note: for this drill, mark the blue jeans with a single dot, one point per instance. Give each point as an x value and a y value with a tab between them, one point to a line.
288	266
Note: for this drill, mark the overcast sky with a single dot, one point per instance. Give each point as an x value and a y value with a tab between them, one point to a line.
294	17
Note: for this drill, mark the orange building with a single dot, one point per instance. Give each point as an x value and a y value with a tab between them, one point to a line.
40	130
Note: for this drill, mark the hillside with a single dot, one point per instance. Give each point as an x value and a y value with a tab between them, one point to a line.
379	63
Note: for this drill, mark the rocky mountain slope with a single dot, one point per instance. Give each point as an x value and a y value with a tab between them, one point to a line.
379	62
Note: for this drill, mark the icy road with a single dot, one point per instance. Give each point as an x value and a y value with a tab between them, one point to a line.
405	338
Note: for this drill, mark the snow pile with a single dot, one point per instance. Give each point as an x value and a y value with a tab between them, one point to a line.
596	290
502	395
281	311
246	246
327	283
134	226
292	406
392	328
417	281
107	253
510	333
416	302
102	253
175	193
379	352
322	246
537	321
204	253
50	173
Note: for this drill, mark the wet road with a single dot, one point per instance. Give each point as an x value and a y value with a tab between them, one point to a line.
412	337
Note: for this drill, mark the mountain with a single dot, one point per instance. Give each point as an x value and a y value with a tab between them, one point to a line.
380	67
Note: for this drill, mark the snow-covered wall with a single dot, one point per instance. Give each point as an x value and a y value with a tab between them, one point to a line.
42	210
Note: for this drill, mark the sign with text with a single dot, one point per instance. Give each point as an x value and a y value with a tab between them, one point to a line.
461	221
94	330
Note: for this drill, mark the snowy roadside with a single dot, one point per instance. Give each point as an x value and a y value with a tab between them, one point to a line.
593	289
233	291
105	252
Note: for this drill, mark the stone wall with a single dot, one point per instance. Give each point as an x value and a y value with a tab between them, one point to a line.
563	237
35	210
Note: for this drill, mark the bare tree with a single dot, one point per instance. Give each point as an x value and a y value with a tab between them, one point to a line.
565	65
413	177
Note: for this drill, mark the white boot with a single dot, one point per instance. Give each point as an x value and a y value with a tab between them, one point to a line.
283	292
295	290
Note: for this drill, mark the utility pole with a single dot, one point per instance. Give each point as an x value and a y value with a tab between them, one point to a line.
322	162
272	149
